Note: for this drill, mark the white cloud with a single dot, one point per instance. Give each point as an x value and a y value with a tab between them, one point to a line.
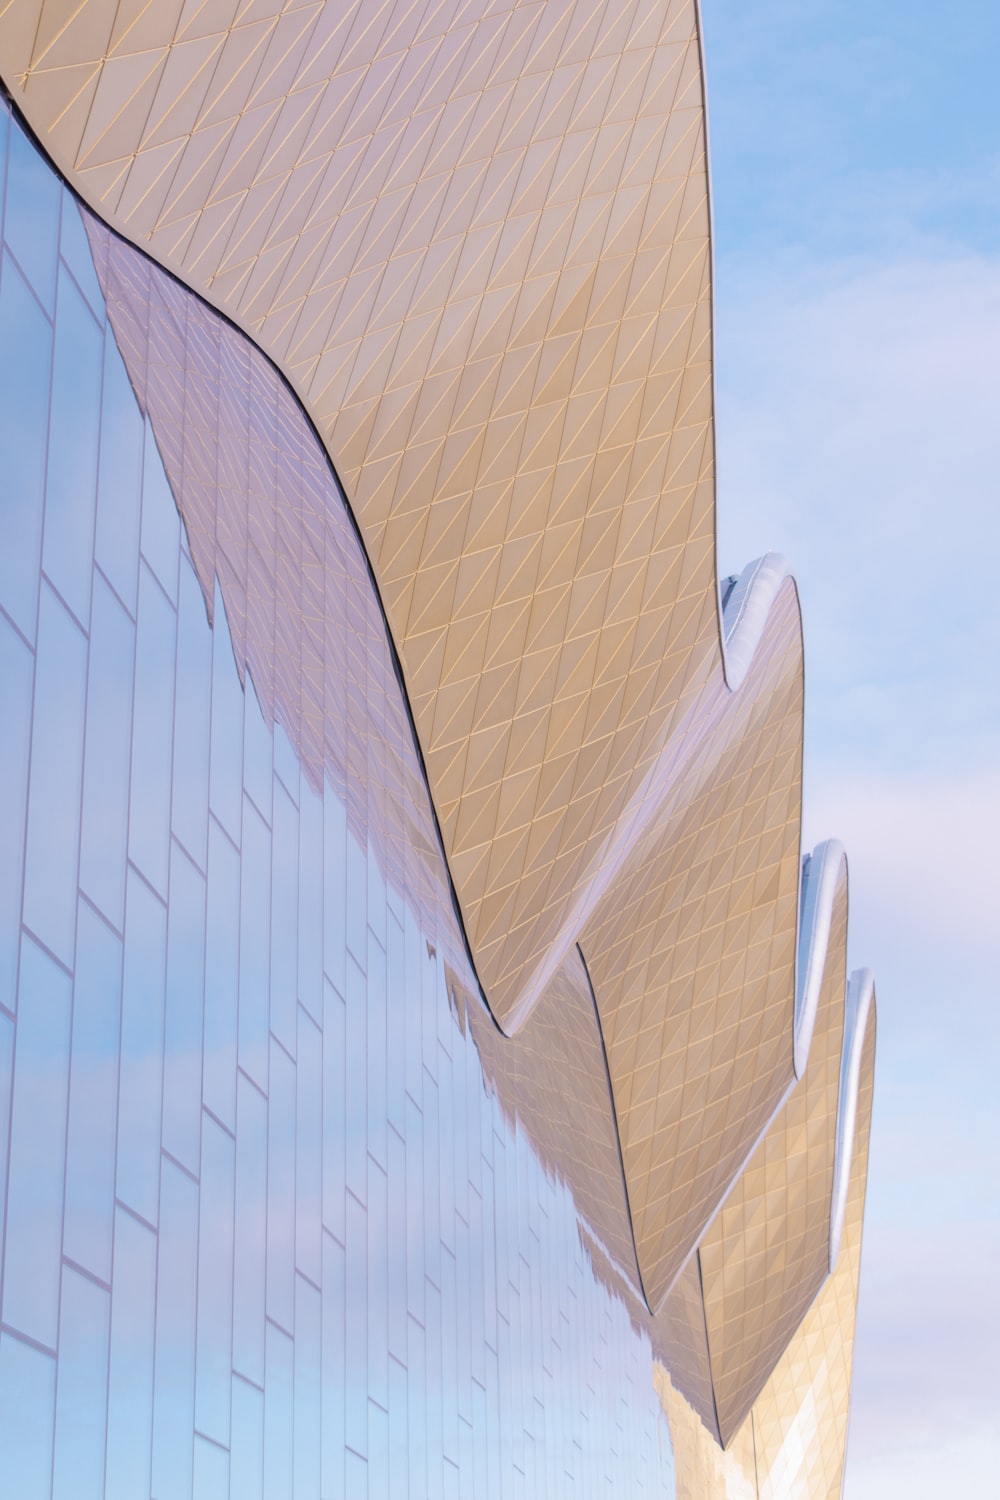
922	849
859	434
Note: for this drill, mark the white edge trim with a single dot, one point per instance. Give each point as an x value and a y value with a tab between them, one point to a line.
860	994
745	612
822	872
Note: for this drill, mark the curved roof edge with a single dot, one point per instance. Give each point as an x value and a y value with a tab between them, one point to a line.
725	1373
821	873
503	335
746	605
388	469
859	1008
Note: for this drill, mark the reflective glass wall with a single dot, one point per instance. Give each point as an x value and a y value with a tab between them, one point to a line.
270	1226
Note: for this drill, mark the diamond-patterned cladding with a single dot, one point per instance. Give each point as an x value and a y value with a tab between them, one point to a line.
767	1253
475	238
285	590
692	954
793	1443
800	1420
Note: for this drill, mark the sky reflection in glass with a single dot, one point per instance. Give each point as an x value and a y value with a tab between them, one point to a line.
268	1232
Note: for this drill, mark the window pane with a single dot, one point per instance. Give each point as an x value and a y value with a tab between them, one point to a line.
152	736
50	877
24	414
141	1079
74	427
173	1383
16	672
37	1148
27	1403
81	1389
93	1095
130	1384
104	833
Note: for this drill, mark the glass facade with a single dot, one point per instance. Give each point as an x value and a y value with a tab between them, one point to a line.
281	1217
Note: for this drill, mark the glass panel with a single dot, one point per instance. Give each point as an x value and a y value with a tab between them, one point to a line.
246	1472
31	219
141	1079
182	1062
334	1366
378	1449
160	536
310	903
4	133
93	1096
281	1190
397	1478
357	901
356	1298
378	1290
308	1311
27	1405
130	1384
74	425
255	945
152	732
189	813
215	1282
334	890
356	1084
173	1374
419	1435
251	1240
334	1101
397	1008
286	764
222	946
226	794
6	1084
309	1149
376	1047
53	841
104	827
284	917
75	252
433	1320
414	1188
16	672
24	414
357	1476
257	752
81	1389
119	480
278	1416
37	1148
211	1471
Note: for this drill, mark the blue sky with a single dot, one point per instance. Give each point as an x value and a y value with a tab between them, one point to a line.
856	188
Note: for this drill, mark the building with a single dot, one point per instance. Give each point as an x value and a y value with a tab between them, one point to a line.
427	1065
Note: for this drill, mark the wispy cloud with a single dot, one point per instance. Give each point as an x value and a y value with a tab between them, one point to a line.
859	434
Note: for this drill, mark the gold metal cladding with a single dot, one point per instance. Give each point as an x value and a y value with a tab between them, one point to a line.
703	1470
476	242
793	1444
266	526
766	1254
692	954
551	1082
275	536
800	1420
